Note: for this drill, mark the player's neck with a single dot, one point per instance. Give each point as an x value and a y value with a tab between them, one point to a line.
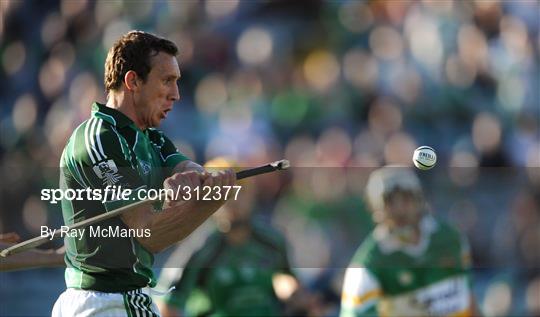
409	234
123	103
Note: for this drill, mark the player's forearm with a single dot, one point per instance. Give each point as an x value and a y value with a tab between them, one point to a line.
185	166
171	225
175	223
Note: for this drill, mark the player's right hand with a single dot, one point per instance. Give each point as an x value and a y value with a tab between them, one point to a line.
182	184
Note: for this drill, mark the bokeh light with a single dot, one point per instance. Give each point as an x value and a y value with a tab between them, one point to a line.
424	39
515	37
254	46
301	151
399	149
70	8
290	108
511	93
321	69
219	8
384	117
211	93
355	16
532	296
14	58
245	86
236	118
472	46
52	77
497	300
24	113
486	132
334	148
386	43
360	69
54	28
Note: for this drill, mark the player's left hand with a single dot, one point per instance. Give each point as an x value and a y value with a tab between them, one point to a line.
219	178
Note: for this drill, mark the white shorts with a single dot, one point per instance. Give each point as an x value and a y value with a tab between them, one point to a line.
85	303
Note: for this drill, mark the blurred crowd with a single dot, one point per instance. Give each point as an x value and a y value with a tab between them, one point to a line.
337	87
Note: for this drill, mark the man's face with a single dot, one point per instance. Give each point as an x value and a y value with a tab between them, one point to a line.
402	208
158	94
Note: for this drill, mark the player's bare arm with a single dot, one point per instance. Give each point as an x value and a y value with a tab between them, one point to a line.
179	218
188	165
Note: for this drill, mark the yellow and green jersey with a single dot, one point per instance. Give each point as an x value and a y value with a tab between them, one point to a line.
232	280
388	277
109	150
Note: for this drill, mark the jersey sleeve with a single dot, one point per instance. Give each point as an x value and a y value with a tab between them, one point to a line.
99	158
361	293
168	153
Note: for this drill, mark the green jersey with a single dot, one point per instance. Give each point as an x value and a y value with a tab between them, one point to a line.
390	278
109	151
232	280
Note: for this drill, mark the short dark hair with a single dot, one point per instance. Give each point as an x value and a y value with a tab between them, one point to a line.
132	52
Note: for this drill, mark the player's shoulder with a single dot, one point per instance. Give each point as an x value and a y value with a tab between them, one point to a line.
92	141
368	252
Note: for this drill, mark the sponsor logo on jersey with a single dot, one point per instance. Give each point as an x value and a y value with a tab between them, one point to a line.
443	298
107	171
405	278
145	167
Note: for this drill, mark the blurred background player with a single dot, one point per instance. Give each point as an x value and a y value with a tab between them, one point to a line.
411	264
241	270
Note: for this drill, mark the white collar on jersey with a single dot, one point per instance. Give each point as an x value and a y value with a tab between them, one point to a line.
389	243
